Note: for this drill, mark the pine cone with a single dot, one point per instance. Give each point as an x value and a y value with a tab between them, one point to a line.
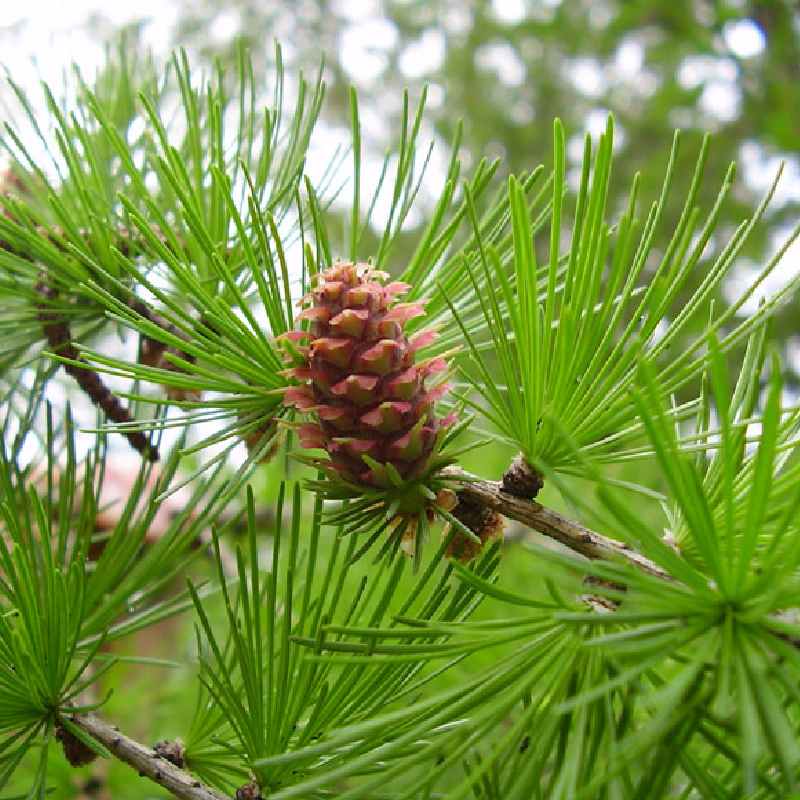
374	413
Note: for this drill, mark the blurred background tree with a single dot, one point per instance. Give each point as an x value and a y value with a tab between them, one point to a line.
509	67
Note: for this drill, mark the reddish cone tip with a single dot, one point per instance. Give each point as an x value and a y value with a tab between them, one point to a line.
359	378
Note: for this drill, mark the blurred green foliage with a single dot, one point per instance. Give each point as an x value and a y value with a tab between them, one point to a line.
509	67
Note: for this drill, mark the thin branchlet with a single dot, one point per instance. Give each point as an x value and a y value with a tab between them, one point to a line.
148	762
152	350
57	332
571	534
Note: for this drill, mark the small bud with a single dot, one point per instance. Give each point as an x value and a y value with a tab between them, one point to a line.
173	752
484	522
522	480
76	752
250	791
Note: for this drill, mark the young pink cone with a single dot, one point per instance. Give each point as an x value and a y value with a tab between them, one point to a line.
360	380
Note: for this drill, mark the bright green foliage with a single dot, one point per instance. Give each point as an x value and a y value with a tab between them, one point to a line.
567	369
174	212
61	600
502	70
278	701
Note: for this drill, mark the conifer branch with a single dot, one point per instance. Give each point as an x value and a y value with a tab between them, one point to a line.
57	332
571	534
146	761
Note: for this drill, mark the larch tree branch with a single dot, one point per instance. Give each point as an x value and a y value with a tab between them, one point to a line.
571	534
146	761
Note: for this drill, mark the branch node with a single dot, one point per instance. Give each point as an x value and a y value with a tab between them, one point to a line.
486	523
146	761
522	480
75	751
173	752
250	791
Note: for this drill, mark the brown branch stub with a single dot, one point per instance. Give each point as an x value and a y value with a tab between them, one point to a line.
571	534
173	752
486	523
153	352
57	332
146	761
250	791
522	480
75	751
